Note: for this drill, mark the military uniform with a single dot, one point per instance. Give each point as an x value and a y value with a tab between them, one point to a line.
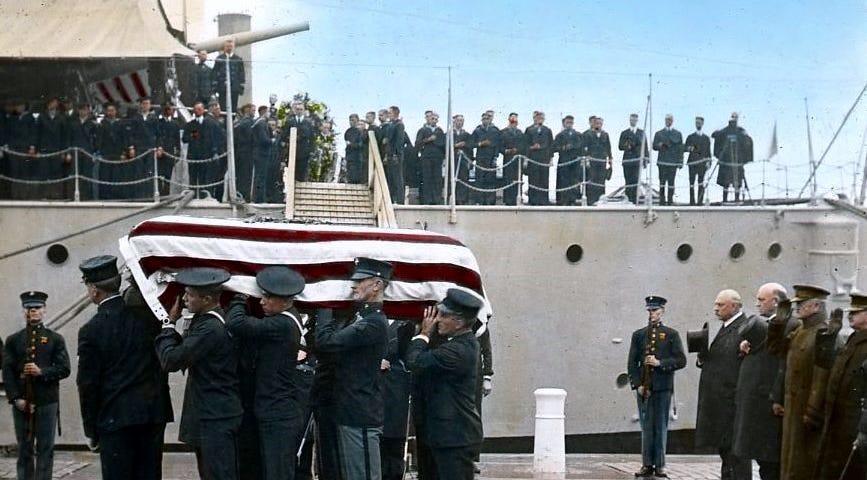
486	157
804	387
324	402
394	141
124	402
21	139
537	175
265	166
512	143
714	425
669	143
664	343
633	146
597	146
356	156
36	425
202	136
453	426
202	83
360	346
52	136
212	409
82	135
431	157
141	136
569	145
396	385
236	73
698	146
244	157
110	144
169	139
277	405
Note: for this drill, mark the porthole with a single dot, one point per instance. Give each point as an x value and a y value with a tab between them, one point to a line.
737	251
775	250
574	253
684	251
57	254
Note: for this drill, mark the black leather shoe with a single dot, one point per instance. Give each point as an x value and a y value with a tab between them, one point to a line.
660	473
646	471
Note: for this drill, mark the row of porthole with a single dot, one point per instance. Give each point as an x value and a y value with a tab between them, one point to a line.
574	253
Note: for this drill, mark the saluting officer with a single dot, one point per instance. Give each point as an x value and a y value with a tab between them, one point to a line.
212	402
277	338
34	362
124	407
453	426
655	353
360	346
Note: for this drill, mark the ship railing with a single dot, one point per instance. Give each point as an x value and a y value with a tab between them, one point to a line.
383	209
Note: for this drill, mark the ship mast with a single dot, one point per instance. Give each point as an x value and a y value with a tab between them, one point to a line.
812	157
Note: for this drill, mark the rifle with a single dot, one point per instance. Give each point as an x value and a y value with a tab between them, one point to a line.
646	368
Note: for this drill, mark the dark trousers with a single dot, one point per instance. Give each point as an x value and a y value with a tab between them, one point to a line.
510	176
265	169
207	175
304	437
769	470
356	167
631	171
327	446
278	446
217	452
133	452
486	180
537	177
244	173
36	447
454	463
667	173
597	173
653	416
424	458
302	166
567	178
391	458
432	182
165	167
696	183
734	467
394	178
359	452
249	456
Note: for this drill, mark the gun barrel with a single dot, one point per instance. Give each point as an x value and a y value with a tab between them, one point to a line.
246	38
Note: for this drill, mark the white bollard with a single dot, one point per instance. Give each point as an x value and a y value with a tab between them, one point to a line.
549	444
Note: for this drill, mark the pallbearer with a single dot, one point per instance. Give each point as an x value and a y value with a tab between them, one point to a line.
276	338
655	353
453	427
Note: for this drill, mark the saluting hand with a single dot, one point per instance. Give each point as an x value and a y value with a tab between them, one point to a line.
429	321
175	311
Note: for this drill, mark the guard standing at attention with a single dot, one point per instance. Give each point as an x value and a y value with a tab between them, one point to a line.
212	401
453	424
655	353
277	406
124	407
34	362
361	346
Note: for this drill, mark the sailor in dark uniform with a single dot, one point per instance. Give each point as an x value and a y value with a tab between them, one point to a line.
124	407
356	156
655	353
486	140
568	144
201	134
395	143
110	146
277	405
34	362
141	127
243	131
82	135
697	145
235	74
52	137
634	147
453	424
597	146
361	346
538	138
168	145
212	402
396	386
669	143
512	143
431	144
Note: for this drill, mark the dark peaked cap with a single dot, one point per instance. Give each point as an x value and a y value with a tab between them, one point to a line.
202	277
33	299
368	267
280	281
461	303
809	292
97	269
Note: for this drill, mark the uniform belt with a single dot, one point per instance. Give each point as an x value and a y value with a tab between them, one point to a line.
305	369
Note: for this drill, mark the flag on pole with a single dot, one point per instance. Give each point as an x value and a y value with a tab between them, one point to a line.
774	146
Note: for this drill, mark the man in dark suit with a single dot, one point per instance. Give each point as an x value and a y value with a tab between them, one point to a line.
243	133
453	425
655	353
236	74
486	140
303	140
714	426
430	141
512	144
141	137
394	142
539	140
733	149
277	405
266	167
201	134
697	145
34	362
212	402
396	386
634	147
203	79
52	136
124	405
168	145
597	146
356	156
462	141
568	144
669	143
361	346
758	431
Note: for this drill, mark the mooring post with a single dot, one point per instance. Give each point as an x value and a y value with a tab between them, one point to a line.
549	444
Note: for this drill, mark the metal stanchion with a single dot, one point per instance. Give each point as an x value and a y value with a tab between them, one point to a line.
77	194
156	178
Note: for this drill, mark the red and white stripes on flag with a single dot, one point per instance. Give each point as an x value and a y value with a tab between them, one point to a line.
127	88
425	264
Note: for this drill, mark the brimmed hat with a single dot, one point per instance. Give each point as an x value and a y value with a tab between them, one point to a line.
280	281
368	267
97	269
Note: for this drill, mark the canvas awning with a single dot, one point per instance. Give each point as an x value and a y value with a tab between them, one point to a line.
85	29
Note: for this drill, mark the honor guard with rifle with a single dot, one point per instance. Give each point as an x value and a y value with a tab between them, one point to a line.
276	338
655	353
34	362
212	401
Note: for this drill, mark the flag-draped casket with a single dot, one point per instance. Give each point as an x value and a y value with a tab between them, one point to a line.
425	264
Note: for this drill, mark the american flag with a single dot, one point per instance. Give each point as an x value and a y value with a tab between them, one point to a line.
126	88
425	264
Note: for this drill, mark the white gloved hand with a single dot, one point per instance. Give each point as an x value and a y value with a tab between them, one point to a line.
486	386
92	444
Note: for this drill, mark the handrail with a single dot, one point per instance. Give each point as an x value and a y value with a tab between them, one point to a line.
289	175
382	207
